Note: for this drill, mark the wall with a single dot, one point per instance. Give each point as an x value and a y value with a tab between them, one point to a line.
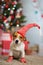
32	11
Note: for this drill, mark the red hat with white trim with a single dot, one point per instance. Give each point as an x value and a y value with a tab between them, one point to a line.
24	29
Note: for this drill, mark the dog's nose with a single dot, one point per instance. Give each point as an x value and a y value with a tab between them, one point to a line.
16	41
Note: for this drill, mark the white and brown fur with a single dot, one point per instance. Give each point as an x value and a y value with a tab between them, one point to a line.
17	44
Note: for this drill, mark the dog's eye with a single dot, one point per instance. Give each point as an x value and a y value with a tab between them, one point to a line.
20	37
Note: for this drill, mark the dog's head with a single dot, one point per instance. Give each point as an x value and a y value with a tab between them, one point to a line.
17	38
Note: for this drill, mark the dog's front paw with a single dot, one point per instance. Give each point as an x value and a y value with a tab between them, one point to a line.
10	59
23	60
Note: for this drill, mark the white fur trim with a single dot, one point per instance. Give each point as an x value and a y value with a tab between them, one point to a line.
10	53
20	48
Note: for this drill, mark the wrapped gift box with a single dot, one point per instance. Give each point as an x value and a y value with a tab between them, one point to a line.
26	44
6	40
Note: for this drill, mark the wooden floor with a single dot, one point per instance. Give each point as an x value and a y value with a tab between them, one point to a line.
31	60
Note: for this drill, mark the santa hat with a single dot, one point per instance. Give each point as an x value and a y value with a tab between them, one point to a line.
24	29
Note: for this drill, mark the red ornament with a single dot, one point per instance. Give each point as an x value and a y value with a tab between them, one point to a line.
4	18
13	3
1	26
6	6
12	17
42	15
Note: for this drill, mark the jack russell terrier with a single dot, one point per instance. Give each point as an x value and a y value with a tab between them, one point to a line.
17	45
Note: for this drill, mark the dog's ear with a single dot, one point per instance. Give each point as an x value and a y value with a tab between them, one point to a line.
14	35
24	39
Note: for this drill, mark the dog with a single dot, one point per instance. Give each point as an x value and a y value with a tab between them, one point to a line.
17	45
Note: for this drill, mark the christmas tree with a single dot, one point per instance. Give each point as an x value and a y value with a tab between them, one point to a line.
11	13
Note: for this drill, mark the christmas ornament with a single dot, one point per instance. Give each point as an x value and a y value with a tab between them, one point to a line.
12	16
2	7
15	2
4	18
5	14
14	5
6	6
20	9
9	9
11	12
17	23
13	8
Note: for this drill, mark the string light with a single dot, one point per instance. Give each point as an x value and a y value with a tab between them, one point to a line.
9	9
5	14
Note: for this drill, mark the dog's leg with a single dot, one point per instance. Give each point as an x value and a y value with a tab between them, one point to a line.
23	57
10	58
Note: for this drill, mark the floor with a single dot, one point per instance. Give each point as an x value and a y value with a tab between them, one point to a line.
31	60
